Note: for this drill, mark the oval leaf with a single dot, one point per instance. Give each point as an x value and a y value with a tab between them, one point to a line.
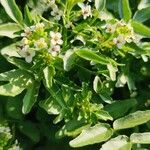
132	120
69	60
9	30
118	143
140	138
11	50
142	15
141	29
125	11
49	72
30	97
92	135
92	56
120	108
143	4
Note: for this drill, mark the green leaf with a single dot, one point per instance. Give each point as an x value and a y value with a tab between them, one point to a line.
13	107
143	4
31	97
118	143
92	135
132	120
11	50
50	106
9	30
19	80
120	108
141	29
105	96
21	64
100	4
27	16
103	115
12	10
30	129
69	60
72	128
125	11
142	15
140	138
56	93
97	84
49	73
92	56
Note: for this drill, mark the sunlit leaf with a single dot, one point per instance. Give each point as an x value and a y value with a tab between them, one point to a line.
9	30
100	4
120	142
30	97
141	138
125	11
92	135
132	120
142	15
12	10
141	29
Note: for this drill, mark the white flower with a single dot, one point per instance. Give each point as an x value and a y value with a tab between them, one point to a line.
27	32
119	41
40	43
121	23
39	26
69	25
25	41
57	13
110	28
56	38
52	3
54	50
86	10
27	53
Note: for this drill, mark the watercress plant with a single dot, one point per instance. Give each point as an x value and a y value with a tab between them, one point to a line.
84	61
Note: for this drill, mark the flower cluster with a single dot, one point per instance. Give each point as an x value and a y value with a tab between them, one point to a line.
86	10
35	38
122	33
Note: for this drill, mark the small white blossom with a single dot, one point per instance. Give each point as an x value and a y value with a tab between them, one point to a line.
86	10
27	53
54	50
39	26
69	25
119	41
40	43
57	13
121	23
56	38
32	28
27	32
110	28
52	3
25	41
